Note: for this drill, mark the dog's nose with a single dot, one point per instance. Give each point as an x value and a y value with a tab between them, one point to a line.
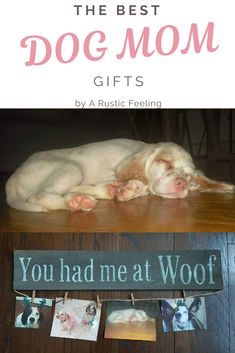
32	320
177	315
180	183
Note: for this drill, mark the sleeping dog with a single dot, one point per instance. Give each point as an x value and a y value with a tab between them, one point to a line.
182	317
31	317
128	315
75	178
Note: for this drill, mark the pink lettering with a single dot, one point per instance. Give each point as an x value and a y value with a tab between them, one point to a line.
87	46
194	37
129	40
58	49
33	49
175	41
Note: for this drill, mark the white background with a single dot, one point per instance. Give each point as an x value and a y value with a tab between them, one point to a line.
203	80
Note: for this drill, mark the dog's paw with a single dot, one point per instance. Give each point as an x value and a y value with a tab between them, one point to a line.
112	189
81	202
131	190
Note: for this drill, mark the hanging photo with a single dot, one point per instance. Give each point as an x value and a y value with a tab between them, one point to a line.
78	319
125	321
183	314
32	315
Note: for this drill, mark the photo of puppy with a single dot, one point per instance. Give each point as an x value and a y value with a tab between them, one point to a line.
68	322
32	315
128	315
77	319
183	314
88	319
136	322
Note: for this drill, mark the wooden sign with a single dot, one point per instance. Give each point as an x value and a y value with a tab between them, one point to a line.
107	270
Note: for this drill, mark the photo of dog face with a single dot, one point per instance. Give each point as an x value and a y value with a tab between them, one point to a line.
67	321
183	314
30	318
88	319
31	315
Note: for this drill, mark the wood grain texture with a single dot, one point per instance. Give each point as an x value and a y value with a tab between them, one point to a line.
216	339
197	213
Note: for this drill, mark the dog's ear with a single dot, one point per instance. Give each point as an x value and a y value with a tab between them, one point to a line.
27	311
167	310
167	315
133	168
203	184
193	309
165	159
195	305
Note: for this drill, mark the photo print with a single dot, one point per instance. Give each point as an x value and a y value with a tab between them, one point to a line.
78	319
128	322
32	315
183	314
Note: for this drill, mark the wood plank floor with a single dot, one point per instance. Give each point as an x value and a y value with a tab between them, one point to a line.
197	213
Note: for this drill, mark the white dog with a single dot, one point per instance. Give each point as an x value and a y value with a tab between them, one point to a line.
183	317
124	169
128	315
29	318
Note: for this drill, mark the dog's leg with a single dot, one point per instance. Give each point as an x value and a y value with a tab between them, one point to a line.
131	189
102	191
84	197
203	184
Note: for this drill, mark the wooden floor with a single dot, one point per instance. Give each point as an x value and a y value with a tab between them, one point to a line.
197	213
218	338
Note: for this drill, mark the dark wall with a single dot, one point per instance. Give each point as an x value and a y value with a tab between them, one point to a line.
218	338
26	131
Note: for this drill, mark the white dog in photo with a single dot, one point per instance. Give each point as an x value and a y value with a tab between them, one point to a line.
128	315
179	315
121	169
29	318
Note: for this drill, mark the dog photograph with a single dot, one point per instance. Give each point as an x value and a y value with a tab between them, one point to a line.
77	319
127	322
134	167
72	178
34	315
187	314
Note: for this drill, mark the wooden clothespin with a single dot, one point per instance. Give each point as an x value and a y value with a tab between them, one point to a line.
65	297
132	299
33	296
98	302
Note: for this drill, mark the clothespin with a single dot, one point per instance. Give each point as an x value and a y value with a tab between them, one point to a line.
98	302
184	294
132	299
65	297
33	296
